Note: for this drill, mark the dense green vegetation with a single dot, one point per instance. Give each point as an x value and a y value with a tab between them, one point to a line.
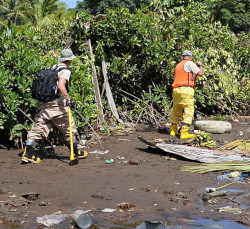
100	6
141	50
235	14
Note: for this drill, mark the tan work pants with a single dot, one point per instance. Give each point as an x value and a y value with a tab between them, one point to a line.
53	113
183	105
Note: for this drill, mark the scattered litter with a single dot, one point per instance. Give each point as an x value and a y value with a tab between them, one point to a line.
151	225
235	176
31	196
120	158
181	194
100	152
109	210
211	189
170	158
13	196
197	154
82	142
174	199
221	166
158	140
243	218
186	220
131	189
228	209
208	196
18	202
49	220
97	196
148	189
125	205
124	139
216	226
133	162
110	161
82	219
43	204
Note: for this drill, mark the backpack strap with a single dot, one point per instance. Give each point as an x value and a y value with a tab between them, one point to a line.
58	69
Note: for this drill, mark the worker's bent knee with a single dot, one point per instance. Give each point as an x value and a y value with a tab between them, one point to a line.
31	142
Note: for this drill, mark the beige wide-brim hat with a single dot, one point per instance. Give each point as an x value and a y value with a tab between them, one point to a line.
66	54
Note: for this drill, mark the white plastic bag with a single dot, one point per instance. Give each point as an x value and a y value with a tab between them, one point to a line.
49	220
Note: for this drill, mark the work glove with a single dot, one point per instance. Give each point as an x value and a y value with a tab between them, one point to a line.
71	104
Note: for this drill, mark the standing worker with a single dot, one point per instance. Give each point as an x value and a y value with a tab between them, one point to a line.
54	113
183	94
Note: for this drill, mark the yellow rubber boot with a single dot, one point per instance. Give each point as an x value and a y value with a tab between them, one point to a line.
185	134
173	131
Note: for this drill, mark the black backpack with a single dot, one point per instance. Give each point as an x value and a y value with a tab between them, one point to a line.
44	87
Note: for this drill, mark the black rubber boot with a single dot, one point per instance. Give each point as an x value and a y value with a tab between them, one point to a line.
29	155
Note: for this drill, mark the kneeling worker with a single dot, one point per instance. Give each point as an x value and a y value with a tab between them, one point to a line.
183	94
54	113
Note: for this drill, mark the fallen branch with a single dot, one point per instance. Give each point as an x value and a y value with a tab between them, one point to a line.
152	116
144	103
223	106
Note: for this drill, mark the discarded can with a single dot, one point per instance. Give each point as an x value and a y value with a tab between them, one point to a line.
82	219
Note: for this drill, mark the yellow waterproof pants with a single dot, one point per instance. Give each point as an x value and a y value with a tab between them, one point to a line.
183	105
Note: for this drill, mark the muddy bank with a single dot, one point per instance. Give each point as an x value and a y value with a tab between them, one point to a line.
154	184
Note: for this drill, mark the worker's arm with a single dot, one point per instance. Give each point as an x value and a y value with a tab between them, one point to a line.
200	73
62	88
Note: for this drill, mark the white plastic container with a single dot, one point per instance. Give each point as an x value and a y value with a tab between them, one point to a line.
212	126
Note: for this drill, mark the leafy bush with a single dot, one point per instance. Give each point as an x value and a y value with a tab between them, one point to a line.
141	50
22	55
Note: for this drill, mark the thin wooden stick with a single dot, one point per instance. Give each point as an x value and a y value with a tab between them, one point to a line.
99	139
144	103
152	116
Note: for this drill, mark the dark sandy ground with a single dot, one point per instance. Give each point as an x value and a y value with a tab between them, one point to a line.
156	187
